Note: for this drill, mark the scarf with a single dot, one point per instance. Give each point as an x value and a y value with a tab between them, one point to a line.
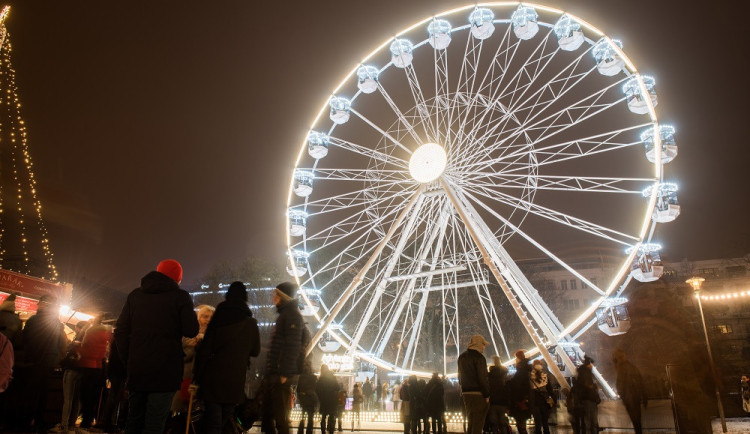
539	380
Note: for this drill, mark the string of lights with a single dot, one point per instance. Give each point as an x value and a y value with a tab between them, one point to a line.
726	296
24	180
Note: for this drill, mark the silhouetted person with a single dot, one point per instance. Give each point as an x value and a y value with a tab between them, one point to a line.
148	336
435	403
520	392
327	390
475	386
499	397
587	394
630	388
541	397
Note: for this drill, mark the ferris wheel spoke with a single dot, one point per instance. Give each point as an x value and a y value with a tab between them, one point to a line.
368	152
494	74
594	144
442	98
557	122
552	215
400	115
593	184
380	130
362	197
359	175
420	103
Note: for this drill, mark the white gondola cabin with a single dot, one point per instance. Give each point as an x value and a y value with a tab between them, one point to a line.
303	182
668	143
340	108
482	26
647	265
317	144
297	222
612	316
667	207
525	24
608	62
569	34
632	90
440	34
298	266
367	78
401	53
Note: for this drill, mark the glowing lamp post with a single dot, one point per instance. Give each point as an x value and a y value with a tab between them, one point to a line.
696	283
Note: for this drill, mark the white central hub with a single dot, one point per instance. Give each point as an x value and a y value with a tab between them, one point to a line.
428	162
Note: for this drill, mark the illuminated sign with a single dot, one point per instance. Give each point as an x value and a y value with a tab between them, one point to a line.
338	363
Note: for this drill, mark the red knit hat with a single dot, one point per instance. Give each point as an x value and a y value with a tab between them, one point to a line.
171	269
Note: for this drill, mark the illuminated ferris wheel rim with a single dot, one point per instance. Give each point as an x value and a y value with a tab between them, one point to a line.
647	225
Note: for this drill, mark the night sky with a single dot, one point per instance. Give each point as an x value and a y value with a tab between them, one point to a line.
169	129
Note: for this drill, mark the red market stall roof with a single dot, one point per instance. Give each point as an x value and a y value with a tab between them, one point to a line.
30	289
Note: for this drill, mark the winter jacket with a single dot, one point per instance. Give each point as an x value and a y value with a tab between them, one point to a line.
499	393
286	353
6	362
630	384
223	356
435	393
417	399
149	333
328	391
43	339
93	348
472	372
586	389
541	389
10	322
519	387
308	397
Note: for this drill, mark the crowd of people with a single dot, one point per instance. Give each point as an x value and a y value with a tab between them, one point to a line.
163	353
166	353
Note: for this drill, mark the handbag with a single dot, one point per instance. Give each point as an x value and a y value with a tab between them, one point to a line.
71	358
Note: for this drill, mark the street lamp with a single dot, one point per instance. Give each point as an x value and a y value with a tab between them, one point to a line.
696	283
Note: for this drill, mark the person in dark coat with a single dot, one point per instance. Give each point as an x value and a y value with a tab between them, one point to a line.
475	386
520	392
630	387
10	322
285	358
499	397
417	410
435	403
308	397
327	390
587	395
223	357
405	410
148	336
42	344
116	375
541	397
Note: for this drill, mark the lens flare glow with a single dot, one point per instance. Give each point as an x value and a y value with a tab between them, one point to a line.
428	162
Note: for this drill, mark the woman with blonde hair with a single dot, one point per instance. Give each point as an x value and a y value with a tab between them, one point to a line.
190	346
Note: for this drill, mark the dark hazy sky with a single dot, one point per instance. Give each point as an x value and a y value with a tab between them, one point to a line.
169	129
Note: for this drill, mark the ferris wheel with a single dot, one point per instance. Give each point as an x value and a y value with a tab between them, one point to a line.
470	141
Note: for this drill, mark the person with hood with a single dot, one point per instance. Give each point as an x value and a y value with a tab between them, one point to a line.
475	386
499	397
10	322
43	342
520	392
285	359
587	395
541	397
327	390
148	335
223	357
630	388
435	403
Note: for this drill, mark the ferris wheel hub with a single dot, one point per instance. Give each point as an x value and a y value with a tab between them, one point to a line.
428	162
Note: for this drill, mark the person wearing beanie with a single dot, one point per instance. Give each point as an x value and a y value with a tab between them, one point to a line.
148	335
285	360
520	392
10	322
222	359
475	386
